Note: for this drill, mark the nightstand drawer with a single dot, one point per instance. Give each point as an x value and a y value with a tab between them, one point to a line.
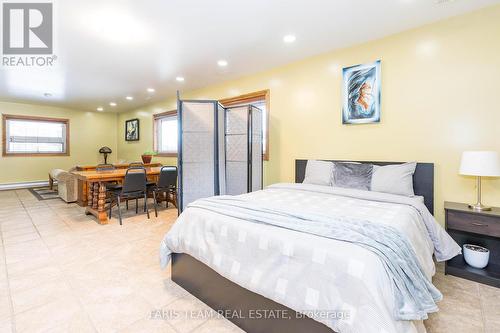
475	223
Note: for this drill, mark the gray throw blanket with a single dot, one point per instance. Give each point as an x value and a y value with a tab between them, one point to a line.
415	296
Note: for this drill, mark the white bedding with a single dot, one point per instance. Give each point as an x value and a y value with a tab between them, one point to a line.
306	272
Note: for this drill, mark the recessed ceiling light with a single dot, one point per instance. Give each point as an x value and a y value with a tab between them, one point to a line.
100	108
129	98
222	63
180	79
289	38
47	95
151	90
112	104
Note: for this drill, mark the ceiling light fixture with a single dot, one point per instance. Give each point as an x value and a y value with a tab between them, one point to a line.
100	108
180	79
129	98
222	63
112	104
289	39
151	90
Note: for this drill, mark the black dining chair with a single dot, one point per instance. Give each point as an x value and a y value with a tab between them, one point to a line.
108	167
134	187
149	184
167	183
134	165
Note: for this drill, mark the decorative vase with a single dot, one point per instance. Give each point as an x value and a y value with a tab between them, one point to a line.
146	159
476	256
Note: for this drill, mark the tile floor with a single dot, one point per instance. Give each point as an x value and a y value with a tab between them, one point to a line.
62	272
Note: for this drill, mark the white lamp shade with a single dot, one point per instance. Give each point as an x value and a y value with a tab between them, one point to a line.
480	163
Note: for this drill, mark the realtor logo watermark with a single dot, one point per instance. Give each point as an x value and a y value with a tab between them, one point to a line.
28	31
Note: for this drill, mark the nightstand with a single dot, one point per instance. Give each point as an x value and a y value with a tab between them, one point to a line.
481	228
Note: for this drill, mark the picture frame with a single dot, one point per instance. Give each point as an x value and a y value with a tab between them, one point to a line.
361	93
132	130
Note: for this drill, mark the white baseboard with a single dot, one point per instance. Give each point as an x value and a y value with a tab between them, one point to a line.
17	186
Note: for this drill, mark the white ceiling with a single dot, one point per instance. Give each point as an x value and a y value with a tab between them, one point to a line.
109	49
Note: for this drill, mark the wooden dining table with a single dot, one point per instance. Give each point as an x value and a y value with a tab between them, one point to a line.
96	188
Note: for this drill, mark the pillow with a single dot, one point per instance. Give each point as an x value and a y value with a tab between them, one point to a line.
353	175
394	179
318	173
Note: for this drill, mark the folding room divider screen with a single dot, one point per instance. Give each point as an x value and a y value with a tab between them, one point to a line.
243	149
220	150
201	151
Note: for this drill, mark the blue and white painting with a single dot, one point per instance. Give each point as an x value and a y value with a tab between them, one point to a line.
361	94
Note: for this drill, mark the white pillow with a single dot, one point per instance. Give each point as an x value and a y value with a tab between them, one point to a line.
318	173
394	179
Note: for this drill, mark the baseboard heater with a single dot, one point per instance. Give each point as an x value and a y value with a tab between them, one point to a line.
21	185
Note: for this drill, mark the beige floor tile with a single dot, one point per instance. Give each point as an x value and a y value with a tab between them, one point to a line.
29	264
25	251
187	314
57	313
5	306
17	232
490	301
157	290
4	285
149	325
22	238
16	224
50	229
25	299
460	309
6	326
109	314
219	325
94	286
34	277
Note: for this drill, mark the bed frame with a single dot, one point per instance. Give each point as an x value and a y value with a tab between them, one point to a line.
223	295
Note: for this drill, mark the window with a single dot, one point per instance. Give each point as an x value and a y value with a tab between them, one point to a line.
259	99
165	133
32	136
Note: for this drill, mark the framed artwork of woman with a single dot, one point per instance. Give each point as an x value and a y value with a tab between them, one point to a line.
361	94
132	130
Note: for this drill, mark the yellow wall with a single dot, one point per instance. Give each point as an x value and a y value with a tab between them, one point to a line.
88	132
132	150
440	88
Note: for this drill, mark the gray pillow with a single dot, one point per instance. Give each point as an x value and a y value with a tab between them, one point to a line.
394	179
353	175
318	173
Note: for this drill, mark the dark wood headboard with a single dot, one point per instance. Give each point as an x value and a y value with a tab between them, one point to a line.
423	179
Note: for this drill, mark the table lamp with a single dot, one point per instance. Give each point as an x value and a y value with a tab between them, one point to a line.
105	151
480	164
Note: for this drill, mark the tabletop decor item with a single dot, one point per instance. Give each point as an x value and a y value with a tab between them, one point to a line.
132	130
480	164
476	256
147	156
361	94
105	150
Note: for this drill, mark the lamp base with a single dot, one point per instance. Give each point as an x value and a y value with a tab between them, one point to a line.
479	207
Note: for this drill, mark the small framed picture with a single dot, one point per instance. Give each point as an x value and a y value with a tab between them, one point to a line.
132	130
361	93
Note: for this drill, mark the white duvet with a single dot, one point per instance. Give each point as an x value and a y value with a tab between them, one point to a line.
337	283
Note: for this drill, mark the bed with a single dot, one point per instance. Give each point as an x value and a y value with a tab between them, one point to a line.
286	268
